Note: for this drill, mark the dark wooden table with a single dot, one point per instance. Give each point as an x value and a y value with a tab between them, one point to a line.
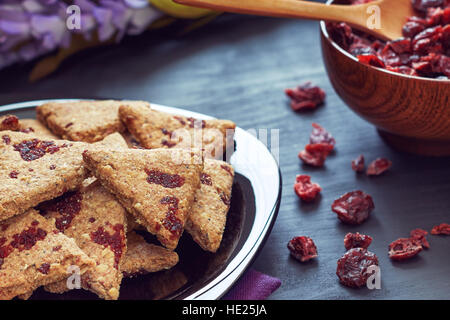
237	68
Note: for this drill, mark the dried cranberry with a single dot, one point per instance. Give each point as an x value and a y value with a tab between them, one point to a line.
14	174
44	268
378	166
168	144
10	123
371	60
357	240
205	179
171	221
420	235
6	139
91	220
306	190
353	207
57	248
115	241
27	130
34	149
195	123
423	5
443	228
67	205
404	248
358	164
227	169
28	238
167	180
305	96
302	248
352	267
315	154
320	135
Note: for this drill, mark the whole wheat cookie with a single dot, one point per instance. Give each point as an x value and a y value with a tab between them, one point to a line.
206	223
156	186
34	170
156	129
143	257
97	222
33	253
87	121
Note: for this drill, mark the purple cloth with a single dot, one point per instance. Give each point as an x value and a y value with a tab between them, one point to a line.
253	285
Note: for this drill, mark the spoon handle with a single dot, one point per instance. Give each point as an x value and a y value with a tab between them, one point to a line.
355	15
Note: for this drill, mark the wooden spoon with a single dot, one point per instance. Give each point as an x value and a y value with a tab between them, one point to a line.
392	13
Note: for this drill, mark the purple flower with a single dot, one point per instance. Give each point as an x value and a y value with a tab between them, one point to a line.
31	28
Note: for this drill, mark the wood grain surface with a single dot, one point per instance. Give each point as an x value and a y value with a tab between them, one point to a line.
237	68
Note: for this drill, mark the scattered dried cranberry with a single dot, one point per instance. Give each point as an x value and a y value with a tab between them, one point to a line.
224	197
306	190
420	235
305	96
315	154
52	167
302	248
44	268
167	180
378	166
404	248
320	135
115	241
357	240
352	267
57	248
91	220
443	228
205	179
358	164
353	207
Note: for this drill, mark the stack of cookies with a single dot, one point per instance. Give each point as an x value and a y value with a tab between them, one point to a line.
82	185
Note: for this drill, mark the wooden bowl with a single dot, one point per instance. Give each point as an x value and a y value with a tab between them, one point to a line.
411	113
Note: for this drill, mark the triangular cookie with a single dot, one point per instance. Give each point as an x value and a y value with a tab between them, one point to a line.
34	170
143	257
33	253
206	223
156	186
87	121
97	223
156	129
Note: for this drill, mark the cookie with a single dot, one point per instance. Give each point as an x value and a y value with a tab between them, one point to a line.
87	121
156	186
97	222
33	254
156	129
143	257
34	170
206	223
